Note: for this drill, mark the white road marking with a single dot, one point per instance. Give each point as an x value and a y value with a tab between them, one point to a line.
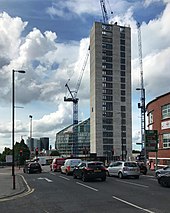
136	184
48	180
64	177
29	191
89	187
131	204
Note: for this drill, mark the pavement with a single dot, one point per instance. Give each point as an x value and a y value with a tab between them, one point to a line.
6	182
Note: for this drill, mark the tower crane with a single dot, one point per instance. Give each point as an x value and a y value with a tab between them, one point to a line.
141	105
104	12
75	100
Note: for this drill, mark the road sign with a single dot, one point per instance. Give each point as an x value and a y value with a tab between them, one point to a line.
151	140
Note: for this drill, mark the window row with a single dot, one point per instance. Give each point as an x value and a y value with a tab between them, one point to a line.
107	78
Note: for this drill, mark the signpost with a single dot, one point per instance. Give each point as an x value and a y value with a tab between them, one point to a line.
151	140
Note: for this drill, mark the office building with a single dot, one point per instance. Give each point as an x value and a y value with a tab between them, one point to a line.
64	140
110	91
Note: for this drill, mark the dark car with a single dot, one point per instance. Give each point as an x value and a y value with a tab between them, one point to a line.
32	167
90	170
143	168
164	179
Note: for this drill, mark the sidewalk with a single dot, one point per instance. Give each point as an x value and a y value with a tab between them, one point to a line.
6	182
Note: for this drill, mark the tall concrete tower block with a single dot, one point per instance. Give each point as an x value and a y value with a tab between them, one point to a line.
110	91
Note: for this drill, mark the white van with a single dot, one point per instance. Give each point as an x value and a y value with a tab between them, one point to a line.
69	165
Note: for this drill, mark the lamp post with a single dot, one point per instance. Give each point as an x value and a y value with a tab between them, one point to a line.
143	122
13	121
30	116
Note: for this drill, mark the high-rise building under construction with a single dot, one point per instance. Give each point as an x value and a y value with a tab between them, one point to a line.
110	91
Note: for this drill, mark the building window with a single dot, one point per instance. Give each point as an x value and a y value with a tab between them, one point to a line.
122	48
122	86
122	67
166	140
122	73
123	99
122	42
122	60
123	92
123	108
107	40
150	116
122	54
107	127
166	111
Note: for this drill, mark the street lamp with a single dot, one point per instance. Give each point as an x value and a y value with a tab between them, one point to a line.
30	116
13	127
143	122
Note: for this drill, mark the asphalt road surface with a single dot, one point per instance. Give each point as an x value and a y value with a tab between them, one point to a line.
54	192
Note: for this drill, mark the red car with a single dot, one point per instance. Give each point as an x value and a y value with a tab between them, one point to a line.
56	164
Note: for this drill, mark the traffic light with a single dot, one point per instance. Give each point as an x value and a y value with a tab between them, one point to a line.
36	151
20	153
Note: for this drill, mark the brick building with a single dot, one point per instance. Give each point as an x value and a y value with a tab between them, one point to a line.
158	113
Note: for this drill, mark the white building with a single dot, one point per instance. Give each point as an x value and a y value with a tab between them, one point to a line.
110	91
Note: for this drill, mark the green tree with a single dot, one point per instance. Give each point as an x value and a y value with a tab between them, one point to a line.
55	153
22	152
7	151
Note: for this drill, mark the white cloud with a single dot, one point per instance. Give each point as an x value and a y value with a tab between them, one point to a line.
49	64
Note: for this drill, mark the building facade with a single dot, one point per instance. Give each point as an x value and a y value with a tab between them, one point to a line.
158	114
42	144
110	91
64	140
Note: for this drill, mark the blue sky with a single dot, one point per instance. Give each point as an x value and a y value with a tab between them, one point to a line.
49	40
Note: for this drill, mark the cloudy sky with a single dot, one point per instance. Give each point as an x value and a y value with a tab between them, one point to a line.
49	39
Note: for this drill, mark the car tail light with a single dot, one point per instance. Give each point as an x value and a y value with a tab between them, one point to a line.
68	168
88	169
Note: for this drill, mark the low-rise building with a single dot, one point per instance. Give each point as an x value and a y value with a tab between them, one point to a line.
158	113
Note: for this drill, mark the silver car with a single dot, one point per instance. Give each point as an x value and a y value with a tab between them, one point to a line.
164	170
124	169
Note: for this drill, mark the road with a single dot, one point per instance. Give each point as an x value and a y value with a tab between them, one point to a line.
55	192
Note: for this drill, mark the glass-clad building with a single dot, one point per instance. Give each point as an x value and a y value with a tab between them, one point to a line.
64	139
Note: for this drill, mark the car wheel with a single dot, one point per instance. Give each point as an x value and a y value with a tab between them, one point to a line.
103	178
120	175
108	174
157	173
163	182
67	173
74	176
84	179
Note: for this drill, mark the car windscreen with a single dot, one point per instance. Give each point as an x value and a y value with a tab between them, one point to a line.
95	165
34	165
130	164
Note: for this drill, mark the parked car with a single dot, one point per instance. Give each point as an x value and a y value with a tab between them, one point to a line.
124	169
164	179
90	170
164	170
32	167
56	164
69	165
143	167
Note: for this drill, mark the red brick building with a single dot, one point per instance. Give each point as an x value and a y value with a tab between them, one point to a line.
158	113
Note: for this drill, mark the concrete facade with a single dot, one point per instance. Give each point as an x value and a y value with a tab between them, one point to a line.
110	91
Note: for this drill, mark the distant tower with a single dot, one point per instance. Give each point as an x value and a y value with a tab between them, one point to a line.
110	91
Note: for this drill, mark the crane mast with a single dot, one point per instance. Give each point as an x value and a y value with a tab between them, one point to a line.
75	100
141	105
104	11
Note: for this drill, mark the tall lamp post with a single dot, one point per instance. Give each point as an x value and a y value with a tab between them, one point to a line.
13	121
143	121
30	116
